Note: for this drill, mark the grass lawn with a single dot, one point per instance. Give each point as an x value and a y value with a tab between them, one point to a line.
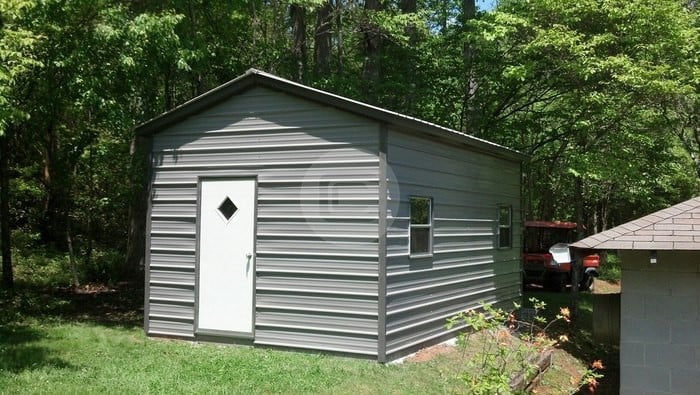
57	341
87	358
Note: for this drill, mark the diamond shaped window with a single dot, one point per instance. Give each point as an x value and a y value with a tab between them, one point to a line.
227	208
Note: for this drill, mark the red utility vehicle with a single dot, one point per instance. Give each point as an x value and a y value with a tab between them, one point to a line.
546	258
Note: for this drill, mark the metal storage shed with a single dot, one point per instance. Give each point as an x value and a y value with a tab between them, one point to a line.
283	215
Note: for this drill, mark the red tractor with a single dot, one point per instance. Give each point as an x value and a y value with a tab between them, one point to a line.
547	260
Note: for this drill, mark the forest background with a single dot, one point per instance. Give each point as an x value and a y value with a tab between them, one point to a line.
602	95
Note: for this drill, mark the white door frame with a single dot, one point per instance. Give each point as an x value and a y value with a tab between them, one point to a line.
219	334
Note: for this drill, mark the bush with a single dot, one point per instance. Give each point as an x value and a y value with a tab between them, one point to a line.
40	266
106	266
497	346
610	268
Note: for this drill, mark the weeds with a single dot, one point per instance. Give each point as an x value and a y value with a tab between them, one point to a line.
44	267
610	268
507	346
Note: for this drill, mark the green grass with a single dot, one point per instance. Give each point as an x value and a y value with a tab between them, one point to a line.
59	342
53	340
84	358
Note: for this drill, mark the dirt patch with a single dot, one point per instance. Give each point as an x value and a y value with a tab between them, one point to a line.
563	376
429	353
87	289
606	287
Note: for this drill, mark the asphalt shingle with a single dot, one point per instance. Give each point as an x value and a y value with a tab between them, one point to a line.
673	228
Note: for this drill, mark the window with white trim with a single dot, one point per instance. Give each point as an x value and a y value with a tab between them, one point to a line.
421	224
505	226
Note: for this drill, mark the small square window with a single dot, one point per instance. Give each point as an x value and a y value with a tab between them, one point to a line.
505	237
421	232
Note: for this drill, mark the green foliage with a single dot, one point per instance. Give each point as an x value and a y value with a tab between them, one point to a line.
38	266
600	94
610	269
507	345
16	58
590	90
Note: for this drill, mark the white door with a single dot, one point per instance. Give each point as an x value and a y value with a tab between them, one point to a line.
226	257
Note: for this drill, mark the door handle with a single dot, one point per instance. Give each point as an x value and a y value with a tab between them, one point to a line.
249	255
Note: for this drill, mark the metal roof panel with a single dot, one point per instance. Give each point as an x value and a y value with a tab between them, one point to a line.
254	77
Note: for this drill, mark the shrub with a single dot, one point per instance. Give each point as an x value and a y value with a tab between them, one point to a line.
610	268
497	346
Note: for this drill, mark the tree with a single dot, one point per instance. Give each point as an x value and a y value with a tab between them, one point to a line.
298	16
585	86
96	79
371	45
16	44
603	96
323	39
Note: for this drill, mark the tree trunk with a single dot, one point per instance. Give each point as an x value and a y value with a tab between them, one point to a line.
372	41
54	179
322	39
298	16
444	12
408	64
7	276
409	7
90	211
577	262
168	91
470	84
339	37
596	217
138	209
75	282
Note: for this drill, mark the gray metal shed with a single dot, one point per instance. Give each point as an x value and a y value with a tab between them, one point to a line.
282	215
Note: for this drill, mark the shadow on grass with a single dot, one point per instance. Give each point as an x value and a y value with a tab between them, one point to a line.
120	306
21	338
18	351
582	344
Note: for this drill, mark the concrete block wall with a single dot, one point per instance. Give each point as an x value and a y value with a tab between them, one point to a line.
660	323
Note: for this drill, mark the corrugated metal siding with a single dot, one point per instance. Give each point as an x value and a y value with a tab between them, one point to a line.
466	267
317	227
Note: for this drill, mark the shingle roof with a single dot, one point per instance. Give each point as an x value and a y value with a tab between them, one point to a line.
254	77
673	228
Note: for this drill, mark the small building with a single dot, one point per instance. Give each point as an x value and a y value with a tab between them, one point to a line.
660	299
282	215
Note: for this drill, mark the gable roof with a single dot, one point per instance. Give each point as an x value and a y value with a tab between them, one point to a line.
673	228
254	77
